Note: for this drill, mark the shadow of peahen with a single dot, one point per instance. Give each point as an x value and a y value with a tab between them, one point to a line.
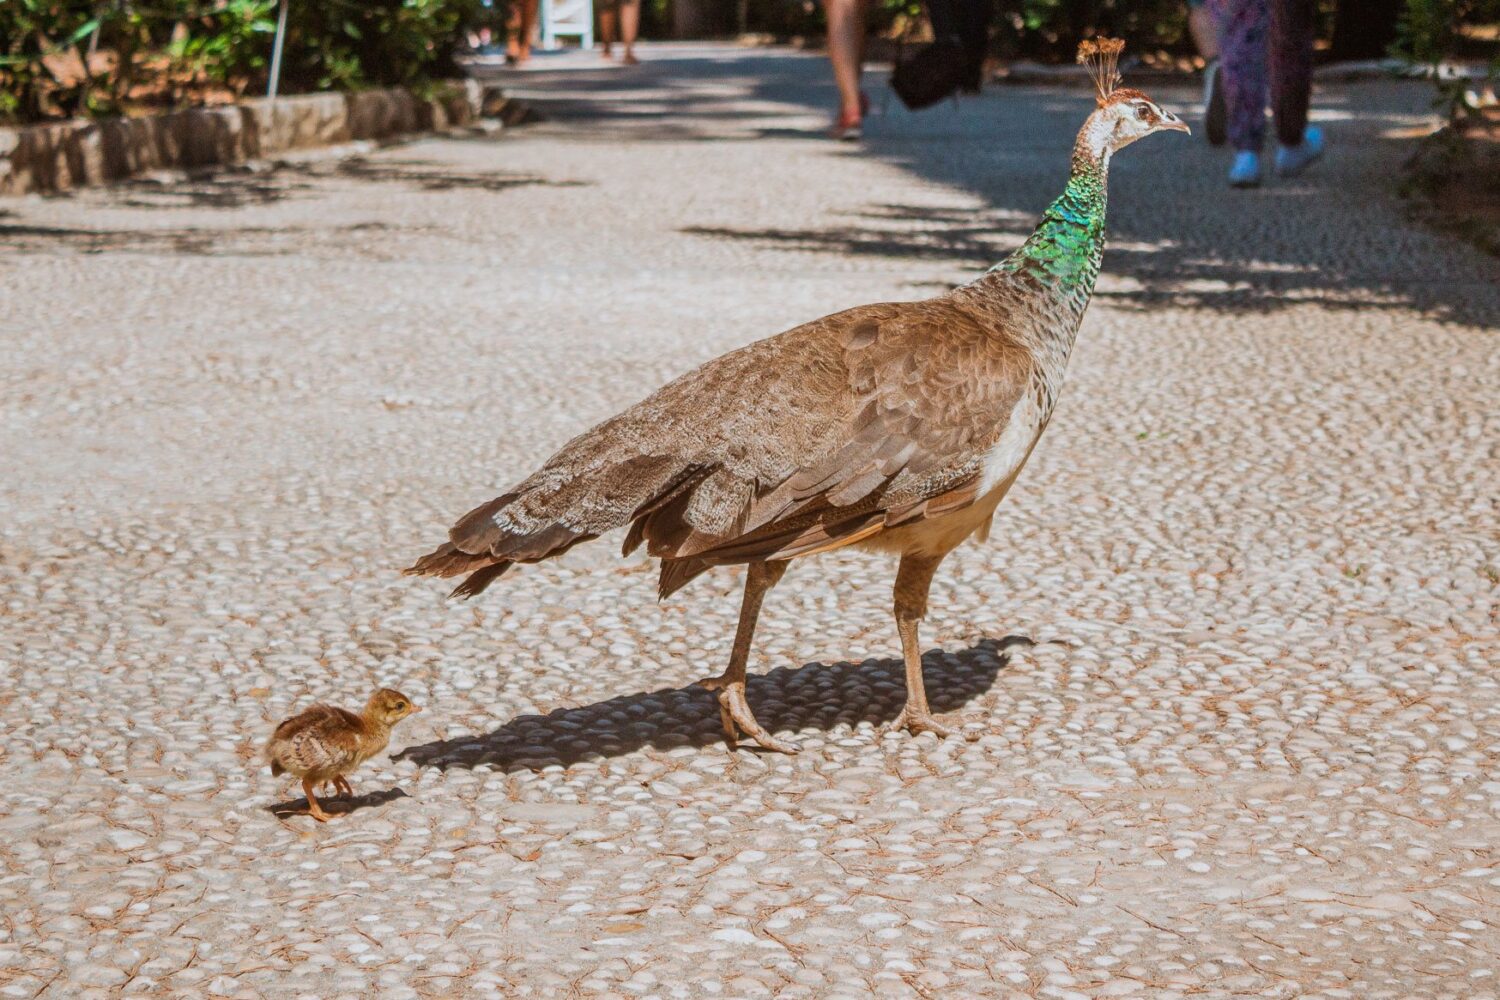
897	427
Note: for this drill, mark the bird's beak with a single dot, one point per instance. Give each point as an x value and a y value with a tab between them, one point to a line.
415	709
1175	124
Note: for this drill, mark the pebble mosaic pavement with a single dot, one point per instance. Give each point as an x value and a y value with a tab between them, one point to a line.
1232	647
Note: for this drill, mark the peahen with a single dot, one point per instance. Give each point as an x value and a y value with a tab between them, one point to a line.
897	427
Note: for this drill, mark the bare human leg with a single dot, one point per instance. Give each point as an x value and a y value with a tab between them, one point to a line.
522	25
630	26
846	50
734	711
609	21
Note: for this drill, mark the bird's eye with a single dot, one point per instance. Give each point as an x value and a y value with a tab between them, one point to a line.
400	706
1142	112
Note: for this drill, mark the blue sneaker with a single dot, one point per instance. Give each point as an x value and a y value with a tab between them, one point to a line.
1246	170
1292	160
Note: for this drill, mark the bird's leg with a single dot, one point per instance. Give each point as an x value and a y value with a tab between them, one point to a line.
913	580
734	710
342	785
313	809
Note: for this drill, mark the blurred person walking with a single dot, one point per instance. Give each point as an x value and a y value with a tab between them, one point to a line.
624	15
1206	39
1266	50
954	61
846	51
520	26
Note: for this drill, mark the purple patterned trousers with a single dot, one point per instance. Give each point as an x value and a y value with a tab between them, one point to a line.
1265	50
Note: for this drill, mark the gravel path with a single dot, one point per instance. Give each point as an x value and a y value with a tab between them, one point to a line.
1231	648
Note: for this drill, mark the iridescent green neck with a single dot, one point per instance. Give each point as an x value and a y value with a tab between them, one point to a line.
1068	245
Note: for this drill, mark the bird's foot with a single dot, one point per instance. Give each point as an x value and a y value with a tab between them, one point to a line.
343	787
735	714
313	809
918	721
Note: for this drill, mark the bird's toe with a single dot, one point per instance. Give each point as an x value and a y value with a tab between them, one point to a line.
734	712
917	723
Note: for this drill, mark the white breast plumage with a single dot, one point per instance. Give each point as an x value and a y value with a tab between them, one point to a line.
1005	457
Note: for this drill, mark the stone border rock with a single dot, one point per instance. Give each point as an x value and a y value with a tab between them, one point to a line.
46	159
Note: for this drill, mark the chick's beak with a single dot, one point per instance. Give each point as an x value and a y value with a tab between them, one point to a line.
415	709
1174	123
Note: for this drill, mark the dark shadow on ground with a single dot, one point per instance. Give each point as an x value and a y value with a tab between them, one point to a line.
238	187
426	175
336	806
236	241
228	188
785	700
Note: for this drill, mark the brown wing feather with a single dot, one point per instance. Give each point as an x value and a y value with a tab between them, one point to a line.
934	388
787	446
323	739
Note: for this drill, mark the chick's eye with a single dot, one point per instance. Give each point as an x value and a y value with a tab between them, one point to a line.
1142	112
400	706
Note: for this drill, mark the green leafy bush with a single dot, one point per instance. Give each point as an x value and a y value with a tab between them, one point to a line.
1052	29
344	44
234	47
1431	32
33	34
61	58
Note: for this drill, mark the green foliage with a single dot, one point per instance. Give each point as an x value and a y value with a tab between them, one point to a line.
33	34
46	72
235	46
1432	32
1053	28
344	44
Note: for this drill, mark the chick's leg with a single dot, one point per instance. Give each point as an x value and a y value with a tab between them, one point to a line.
734	710
342	784
313	809
913	581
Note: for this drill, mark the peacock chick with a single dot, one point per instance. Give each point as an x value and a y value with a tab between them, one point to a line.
323	744
897	427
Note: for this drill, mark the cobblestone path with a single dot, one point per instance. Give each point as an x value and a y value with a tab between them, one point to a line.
1232	646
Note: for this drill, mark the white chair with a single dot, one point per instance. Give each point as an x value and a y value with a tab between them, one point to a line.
567	17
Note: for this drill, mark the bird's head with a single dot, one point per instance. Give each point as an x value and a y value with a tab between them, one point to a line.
388	707
1123	115
1130	115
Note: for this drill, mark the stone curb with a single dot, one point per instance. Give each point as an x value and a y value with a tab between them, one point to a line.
45	159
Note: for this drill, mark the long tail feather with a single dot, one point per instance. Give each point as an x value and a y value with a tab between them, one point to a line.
476	582
678	573
447	560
